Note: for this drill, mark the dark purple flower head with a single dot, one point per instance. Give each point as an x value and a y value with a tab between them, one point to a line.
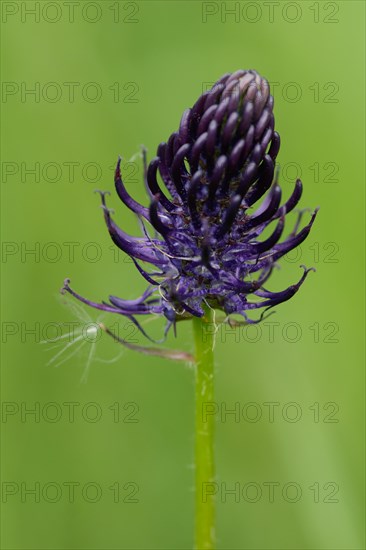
204	186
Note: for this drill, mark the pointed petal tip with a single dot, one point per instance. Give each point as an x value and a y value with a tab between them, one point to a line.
314	215
65	288
117	172
307	269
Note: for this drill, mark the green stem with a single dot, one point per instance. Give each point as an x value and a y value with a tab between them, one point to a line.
203	329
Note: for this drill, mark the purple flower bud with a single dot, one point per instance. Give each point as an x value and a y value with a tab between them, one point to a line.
204	186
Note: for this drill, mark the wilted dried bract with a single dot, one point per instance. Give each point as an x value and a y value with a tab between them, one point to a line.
206	248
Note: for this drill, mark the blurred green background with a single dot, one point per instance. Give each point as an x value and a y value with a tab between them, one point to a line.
107	77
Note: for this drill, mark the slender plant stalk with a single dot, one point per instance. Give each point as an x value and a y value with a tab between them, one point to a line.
204	452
